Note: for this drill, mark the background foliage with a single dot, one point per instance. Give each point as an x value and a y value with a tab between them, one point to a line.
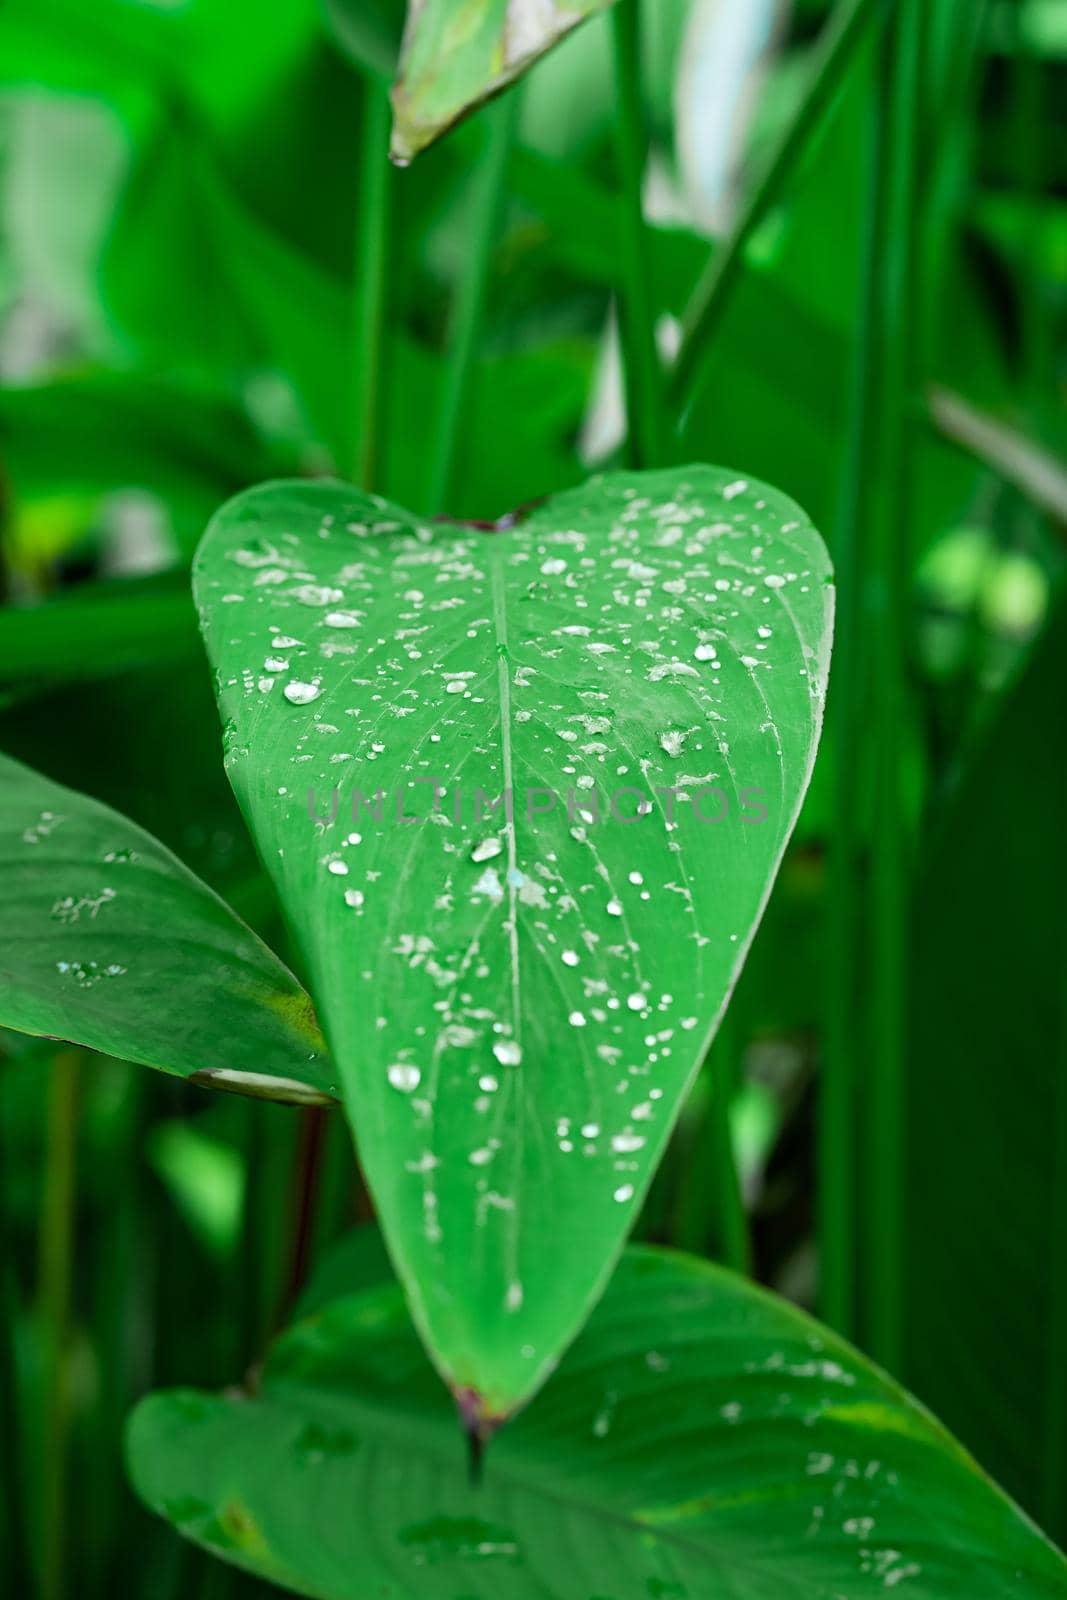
205	271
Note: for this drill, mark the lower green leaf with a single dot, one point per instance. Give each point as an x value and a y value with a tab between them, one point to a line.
701	1439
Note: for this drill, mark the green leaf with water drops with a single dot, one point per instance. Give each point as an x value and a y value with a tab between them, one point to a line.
702	1438
457	53
517	998
109	941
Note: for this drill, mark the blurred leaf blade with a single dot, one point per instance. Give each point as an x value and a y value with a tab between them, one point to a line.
98	628
368	32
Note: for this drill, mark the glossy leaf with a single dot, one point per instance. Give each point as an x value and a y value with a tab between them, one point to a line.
96	435
456	54
517	1004
108	941
703	1438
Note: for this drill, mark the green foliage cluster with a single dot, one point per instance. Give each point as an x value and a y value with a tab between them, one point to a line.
472	1048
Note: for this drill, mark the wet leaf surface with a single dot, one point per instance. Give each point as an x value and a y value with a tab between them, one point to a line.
107	940
517	999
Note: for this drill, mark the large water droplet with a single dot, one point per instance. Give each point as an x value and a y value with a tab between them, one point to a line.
301	694
403	1076
486	850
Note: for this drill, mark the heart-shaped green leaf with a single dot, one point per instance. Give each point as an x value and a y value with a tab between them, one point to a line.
456	53
108	941
517	1003
702	1439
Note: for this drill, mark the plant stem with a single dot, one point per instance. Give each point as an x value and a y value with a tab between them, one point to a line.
1054	1464
1038	331
15	1566
708	1216
118	1308
270	1154
56	1242
468	309
339	1184
307	1187
891	845
734	1241
14	1559
372	255
644	378
708	302
842	1042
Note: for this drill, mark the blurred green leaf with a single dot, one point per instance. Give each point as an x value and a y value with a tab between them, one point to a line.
206	1179
582	225
356	1262
97	629
368	32
776	395
94	433
1018	226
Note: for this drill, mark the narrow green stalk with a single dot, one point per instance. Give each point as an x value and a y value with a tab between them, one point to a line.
118	1311
14	1557
891	844
709	1213
56	1252
644	378
1038	330
735	1244
843	1047
340	1186
958	30
708	302
1054	1474
15	1567
305	1202
266	1248
468	310
372	257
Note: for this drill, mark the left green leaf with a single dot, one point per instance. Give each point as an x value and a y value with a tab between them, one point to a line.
109	941
457	53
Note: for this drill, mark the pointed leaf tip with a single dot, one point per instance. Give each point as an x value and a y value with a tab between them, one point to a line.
456	54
